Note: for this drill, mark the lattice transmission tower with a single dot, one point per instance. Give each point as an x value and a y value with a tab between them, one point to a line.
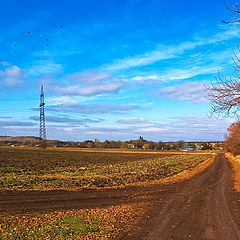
42	129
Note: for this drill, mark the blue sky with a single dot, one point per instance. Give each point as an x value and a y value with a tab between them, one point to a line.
114	69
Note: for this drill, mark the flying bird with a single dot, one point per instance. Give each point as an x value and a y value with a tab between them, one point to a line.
15	49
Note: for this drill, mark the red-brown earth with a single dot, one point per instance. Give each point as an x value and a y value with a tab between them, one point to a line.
203	207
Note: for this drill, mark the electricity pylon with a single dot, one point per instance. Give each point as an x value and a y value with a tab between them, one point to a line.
42	129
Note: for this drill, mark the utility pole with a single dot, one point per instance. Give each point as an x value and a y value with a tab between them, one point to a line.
42	129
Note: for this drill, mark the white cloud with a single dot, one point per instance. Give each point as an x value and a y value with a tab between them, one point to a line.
66	120
150	130
12	76
175	74
90	90
133	121
146	79
43	67
88	77
163	52
91	108
61	100
200	125
89	84
188	91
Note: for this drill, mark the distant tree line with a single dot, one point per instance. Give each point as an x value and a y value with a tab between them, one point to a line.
139	143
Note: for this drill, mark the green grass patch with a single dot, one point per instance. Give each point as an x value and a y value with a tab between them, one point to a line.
98	223
63	227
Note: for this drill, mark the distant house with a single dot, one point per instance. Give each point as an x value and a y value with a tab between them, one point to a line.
131	146
188	149
191	148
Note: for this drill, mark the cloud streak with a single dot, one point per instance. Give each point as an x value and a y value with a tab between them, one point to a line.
90	90
12	75
189	91
89	84
91	108
57	119
43	67
133	121
164	52
16	124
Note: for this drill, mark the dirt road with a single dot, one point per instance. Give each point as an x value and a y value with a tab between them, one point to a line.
204	207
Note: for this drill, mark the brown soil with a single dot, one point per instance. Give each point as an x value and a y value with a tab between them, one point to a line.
203	207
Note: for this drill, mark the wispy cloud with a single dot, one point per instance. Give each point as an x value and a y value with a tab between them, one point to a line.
12	75
133	121
43	67
150	130
199	128
91	108
164	52
90	90
4	117
188	91
16	124
174	74
55	100
89	84
57	119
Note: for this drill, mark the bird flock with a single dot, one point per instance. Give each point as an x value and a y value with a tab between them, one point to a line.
2	62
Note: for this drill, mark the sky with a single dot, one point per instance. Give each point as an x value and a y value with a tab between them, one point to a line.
114	69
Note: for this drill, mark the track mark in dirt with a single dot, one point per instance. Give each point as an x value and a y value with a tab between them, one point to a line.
209	233
203	207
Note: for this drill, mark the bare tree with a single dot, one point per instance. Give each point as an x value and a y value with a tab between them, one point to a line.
224	93
235	11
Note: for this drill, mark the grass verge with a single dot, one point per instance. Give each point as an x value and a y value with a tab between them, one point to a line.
98	223
235	161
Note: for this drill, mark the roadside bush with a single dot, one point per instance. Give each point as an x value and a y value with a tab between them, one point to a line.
232	140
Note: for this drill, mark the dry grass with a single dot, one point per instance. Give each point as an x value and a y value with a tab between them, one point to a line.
235	161
97	223
186	174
